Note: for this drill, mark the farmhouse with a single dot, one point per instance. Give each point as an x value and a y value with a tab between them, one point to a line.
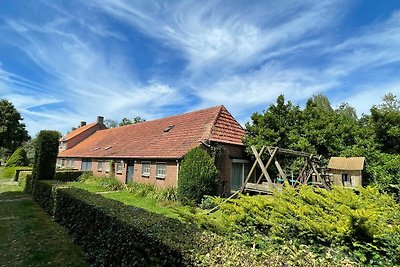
347	171
151	151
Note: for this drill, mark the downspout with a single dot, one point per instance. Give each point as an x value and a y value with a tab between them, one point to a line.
177	172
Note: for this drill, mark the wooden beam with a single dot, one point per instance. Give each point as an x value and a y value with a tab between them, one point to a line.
263	169
251	171
281	172
267	165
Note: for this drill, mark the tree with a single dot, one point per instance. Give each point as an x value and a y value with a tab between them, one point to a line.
138	119
12	130
386	122
18	158
125	121
110	123
346	110
279	125
198	176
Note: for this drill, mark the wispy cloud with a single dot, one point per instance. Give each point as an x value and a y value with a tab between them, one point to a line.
230	52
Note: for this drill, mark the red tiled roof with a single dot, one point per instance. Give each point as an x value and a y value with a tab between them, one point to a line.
150	140
78	131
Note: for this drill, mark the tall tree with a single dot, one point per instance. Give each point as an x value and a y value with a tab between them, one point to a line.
386	122
12	130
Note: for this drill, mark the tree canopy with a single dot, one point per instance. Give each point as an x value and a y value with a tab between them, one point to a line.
318	128
12	130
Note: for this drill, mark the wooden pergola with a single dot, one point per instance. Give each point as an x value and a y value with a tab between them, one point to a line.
264	183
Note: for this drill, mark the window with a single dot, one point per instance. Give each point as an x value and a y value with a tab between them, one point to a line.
145	168
86	165
62	162
100	166
161	170
106	166
119	166
346	179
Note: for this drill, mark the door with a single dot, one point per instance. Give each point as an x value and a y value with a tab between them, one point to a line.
236	176
129	172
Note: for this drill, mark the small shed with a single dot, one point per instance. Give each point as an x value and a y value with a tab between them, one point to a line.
347	171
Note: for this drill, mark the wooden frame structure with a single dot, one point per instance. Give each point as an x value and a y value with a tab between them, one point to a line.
264	183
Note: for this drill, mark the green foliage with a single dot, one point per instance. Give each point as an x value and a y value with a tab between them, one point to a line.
363	227
46	151
18	158
23	179
198	176
12	131
9	172
151	191
68	176
113	234
109	183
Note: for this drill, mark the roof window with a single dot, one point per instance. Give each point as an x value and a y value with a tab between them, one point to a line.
96	148
168	128
107	148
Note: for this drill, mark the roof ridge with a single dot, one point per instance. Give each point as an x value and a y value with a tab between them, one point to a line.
170	117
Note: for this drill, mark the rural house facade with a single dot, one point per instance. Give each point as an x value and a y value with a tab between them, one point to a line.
347	171
151	152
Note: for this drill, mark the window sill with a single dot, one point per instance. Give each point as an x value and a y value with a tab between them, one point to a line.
147	175
161	177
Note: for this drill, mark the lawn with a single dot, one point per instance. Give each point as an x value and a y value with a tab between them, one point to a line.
28	236
169	209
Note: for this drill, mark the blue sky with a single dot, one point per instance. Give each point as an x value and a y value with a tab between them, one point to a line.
66	61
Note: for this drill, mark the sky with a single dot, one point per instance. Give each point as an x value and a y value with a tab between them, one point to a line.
66	61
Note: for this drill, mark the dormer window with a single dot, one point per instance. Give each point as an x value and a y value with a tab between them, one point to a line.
107	148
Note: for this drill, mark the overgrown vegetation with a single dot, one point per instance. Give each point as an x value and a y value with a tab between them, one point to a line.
198	176
108	183
151	191
338	225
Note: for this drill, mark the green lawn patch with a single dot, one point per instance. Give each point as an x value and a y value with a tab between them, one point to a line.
169	209
28	236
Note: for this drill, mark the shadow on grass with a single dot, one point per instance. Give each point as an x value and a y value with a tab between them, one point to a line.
29	237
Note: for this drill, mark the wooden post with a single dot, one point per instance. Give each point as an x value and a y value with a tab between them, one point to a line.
251	171
263	169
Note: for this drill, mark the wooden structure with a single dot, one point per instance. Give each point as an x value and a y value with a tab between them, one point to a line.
310	173
347	172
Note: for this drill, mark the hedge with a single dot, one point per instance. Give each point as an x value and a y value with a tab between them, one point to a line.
114	234
46	150
68	176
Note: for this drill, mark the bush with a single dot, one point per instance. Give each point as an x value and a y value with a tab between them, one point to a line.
68	176
46	151
114	234
23	178
18	158
363	226
10	172
198	176
109	183
151	191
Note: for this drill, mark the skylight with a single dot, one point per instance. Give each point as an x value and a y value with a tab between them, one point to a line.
168	128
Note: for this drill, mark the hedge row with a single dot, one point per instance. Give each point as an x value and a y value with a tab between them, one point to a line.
68	176
114	234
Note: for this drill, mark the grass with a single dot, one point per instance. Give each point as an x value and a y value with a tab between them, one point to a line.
168	209
28	236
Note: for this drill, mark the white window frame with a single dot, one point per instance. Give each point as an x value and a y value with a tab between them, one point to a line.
144	171
119	166
100	166
161	173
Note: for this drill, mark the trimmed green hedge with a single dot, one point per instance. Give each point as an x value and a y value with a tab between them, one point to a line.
9	172
114	234
18	158
68	176
46	150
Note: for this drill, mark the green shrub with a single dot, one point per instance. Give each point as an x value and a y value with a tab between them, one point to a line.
109	183
142	190
46	150
10	172
18	158
363	226
68	176
198	176
23	177
113	234
167	194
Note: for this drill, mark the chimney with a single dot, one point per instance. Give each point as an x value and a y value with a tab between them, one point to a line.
100	120
83	123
